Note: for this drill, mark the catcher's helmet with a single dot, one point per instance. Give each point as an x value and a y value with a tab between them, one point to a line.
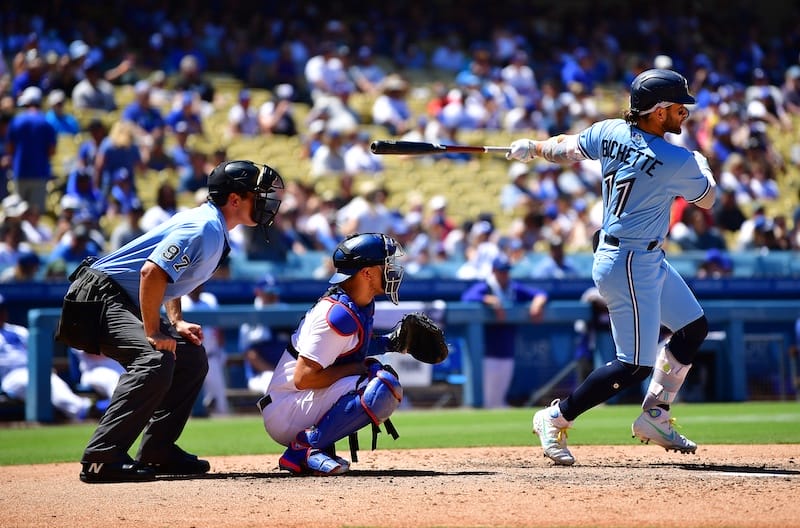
655	86
245	176
363	250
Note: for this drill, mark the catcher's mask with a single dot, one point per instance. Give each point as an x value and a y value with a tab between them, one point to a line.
363	250
245	176
655	86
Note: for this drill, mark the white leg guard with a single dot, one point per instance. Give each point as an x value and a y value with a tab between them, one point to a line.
668	377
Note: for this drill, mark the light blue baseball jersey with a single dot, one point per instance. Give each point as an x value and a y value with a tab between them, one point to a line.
642	175
188	247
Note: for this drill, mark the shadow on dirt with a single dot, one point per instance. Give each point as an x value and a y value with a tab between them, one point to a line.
396	473
724	468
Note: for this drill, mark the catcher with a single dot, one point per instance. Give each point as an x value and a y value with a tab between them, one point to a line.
325	386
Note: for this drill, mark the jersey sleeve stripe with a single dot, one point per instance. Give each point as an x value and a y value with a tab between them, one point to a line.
708	189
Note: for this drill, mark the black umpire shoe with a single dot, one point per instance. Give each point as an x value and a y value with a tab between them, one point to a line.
179	463
107	472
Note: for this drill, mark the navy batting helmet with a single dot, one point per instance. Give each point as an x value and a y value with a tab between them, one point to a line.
363	250
657	86
245	176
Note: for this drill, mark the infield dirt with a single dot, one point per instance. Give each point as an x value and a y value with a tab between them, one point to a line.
619	486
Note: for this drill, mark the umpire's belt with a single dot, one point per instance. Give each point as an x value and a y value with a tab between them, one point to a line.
263	402
611	240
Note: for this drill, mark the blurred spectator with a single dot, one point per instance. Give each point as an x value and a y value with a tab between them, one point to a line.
165	207
99	372
258	343
180	151
191	79
74	246
57	116
556	265
359	159
25	270
275	116
438	222
529	229
366	73
728	216
215	385
128	228
5	159
87	150
14	370
517	191
31	143
390	109
185	112
716	265
12	242
320	226
34	231
323	72
313	139
93	92
519	75
194	177
156	157
697	233
141	112
117	151
499	292
449	55
242	117
328	158
123	195
81	194
791	90
367	212
480	252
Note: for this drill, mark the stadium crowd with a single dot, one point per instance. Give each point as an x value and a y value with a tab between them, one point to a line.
531	75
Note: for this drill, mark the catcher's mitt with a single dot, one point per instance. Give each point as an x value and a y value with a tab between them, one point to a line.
418	335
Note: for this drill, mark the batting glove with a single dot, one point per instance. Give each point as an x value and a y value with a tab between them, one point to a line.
521	150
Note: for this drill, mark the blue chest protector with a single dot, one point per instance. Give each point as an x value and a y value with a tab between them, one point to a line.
346	318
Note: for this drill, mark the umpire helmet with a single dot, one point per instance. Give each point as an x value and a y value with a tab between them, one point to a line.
656	86
245	176
363	250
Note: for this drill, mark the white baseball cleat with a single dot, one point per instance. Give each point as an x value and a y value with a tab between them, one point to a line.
551	427
655	425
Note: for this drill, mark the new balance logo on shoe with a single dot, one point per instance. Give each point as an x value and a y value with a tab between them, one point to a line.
95	467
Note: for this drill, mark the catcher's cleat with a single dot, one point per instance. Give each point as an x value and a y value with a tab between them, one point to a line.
655	425
109	472
551	427
303	460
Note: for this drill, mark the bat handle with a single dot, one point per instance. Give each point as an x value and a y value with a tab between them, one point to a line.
504	150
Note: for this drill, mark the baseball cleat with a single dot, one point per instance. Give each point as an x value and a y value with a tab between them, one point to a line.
303	460
655	425
551	427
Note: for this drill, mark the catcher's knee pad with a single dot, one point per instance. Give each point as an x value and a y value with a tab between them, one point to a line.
374	404
381	396
685	343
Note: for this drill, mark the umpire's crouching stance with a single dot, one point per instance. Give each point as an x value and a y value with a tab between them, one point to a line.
113	307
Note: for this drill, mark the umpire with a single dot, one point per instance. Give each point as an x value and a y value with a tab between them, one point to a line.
113	307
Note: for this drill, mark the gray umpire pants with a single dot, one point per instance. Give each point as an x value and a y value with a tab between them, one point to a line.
156	393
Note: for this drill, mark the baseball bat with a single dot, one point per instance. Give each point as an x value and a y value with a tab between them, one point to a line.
411	148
